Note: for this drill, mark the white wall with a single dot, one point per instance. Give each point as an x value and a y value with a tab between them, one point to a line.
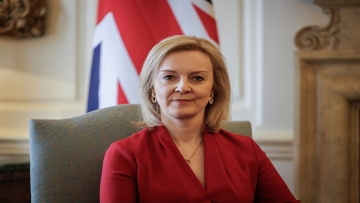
45	77
257	38
48	77
282	20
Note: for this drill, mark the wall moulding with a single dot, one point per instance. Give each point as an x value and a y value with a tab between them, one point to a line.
22	18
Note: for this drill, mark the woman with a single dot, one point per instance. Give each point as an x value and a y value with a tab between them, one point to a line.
182	154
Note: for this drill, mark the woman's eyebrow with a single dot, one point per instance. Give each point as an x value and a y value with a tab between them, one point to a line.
171	71
201	71
195	72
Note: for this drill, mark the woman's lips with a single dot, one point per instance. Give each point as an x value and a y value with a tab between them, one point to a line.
181	101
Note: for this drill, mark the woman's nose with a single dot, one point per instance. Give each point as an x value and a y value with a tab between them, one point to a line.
183	86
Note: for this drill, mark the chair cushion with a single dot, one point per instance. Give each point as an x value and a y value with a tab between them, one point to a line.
66	155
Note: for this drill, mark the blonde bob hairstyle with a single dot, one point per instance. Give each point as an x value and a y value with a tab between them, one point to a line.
214	113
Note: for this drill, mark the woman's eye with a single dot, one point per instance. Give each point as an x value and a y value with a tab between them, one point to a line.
198	78
168	77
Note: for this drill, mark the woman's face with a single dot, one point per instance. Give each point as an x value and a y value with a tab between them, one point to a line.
183	85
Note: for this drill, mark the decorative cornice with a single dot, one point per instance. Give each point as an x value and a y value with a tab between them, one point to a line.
321	38
22	18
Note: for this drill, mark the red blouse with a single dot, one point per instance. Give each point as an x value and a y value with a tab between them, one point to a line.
148	167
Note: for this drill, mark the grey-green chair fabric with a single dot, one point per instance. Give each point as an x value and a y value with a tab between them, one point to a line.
66	155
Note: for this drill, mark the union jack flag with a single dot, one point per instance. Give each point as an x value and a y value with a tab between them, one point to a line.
126	30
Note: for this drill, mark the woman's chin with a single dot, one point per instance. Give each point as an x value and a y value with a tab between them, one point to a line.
184	114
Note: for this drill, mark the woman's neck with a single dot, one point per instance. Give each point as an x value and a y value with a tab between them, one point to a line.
185	131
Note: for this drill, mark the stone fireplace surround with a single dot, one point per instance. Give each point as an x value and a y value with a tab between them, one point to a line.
328	107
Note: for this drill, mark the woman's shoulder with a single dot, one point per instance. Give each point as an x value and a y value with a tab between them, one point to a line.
137	145
238	141
233	136
134	140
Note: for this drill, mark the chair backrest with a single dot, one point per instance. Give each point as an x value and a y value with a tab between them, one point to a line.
66	155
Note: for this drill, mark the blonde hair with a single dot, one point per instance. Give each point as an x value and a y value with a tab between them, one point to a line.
214	113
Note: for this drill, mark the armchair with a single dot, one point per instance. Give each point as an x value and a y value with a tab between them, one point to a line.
66	155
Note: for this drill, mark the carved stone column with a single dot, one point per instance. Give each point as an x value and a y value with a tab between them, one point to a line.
328	106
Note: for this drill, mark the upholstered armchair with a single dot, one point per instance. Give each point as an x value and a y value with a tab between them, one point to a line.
66	155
